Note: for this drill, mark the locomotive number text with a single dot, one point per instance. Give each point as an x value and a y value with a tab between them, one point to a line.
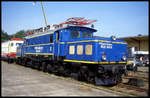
105	45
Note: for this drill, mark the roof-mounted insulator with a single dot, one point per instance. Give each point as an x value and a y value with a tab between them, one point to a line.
78	21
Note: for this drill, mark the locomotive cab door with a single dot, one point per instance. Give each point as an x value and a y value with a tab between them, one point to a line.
57	45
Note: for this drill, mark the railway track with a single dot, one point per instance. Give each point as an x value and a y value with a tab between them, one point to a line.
137	77
120	89
129	90
141	75
132	87
143	71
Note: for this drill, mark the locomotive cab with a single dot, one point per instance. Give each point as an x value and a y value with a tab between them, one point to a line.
62	38
74	33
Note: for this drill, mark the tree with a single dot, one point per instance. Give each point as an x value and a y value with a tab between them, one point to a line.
4	36
19	34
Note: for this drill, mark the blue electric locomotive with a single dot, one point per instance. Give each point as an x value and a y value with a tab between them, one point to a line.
72	50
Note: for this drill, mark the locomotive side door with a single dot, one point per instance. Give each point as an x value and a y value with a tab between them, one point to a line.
57	45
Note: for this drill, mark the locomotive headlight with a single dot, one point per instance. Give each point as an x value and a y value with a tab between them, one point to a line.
104	57
113	37
124	58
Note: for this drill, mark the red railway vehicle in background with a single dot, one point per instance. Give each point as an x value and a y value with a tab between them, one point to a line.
8	50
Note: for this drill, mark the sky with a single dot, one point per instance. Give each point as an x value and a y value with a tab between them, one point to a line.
120	19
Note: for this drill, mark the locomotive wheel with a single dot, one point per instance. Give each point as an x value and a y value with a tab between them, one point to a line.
67	72
23	63
55	68
61	70
28	64
119	78
20	62
82	74
17	61
44	67
49	68
9	61
39	67
32	65
91	77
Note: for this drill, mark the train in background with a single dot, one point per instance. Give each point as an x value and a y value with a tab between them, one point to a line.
137	58
8	49
70	49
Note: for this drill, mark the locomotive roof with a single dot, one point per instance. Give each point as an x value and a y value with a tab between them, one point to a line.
52	31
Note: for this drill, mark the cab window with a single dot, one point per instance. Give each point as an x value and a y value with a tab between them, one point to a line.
51	38
27	42
87	34
75	34
18	44
12	44
57	36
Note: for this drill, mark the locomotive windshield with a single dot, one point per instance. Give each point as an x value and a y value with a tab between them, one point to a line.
75	34
87	34
18	44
